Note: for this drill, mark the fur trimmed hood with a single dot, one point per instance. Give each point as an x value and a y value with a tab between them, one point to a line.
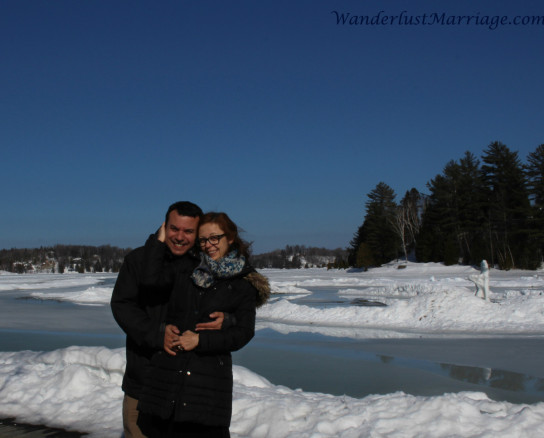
259	282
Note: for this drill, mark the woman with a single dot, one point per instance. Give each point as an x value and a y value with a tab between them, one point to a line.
190	394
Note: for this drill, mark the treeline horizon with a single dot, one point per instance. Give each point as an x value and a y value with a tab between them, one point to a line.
106	258
61	258
490	209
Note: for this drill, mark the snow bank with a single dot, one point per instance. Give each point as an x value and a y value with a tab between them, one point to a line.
78	388
92	295
442	311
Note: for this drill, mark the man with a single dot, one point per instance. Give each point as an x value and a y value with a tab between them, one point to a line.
139	309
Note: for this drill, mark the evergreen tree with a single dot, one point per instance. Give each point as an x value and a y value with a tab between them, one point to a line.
379	233
451	228
535	176
439	219
295	262
535	179
509	212
471	205
354	245
364	257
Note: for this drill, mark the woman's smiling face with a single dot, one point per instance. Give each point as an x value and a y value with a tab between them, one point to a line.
217	250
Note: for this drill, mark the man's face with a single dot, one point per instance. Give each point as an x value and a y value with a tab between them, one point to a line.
180	233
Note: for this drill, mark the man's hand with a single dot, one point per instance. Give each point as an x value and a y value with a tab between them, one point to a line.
213	325
189	340
171	339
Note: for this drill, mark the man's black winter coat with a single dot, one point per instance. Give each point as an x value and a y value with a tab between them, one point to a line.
141	311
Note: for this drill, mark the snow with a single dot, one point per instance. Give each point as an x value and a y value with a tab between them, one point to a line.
92	295
421	298
441	311
11	281
78	388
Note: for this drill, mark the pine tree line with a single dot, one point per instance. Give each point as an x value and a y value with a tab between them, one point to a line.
491	209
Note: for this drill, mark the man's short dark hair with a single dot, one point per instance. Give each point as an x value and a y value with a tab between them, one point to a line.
184	208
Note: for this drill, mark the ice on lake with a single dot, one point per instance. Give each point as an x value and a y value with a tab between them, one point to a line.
433	360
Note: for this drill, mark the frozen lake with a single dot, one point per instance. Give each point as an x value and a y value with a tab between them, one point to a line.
391	352
337	356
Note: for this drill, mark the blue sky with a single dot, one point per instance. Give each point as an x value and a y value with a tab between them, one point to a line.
268	110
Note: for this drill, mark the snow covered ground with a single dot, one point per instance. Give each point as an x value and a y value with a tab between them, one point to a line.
421	299
78	387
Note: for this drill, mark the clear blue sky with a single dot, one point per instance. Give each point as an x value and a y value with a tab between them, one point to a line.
111	110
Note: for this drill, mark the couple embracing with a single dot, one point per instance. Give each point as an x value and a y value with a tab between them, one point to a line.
186	300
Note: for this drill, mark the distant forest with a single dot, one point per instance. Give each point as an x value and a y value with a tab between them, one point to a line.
63	258
491	209
79	258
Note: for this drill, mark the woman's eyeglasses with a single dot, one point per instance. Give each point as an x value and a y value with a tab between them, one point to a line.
214	240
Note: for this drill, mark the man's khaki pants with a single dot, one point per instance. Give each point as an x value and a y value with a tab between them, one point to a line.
130	417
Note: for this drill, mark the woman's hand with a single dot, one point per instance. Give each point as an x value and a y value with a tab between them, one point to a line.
189	340
171	339
161	233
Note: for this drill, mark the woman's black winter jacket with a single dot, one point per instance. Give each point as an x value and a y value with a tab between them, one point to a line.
196	385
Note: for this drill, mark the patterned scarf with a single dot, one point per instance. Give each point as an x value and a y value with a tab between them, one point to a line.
209	270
